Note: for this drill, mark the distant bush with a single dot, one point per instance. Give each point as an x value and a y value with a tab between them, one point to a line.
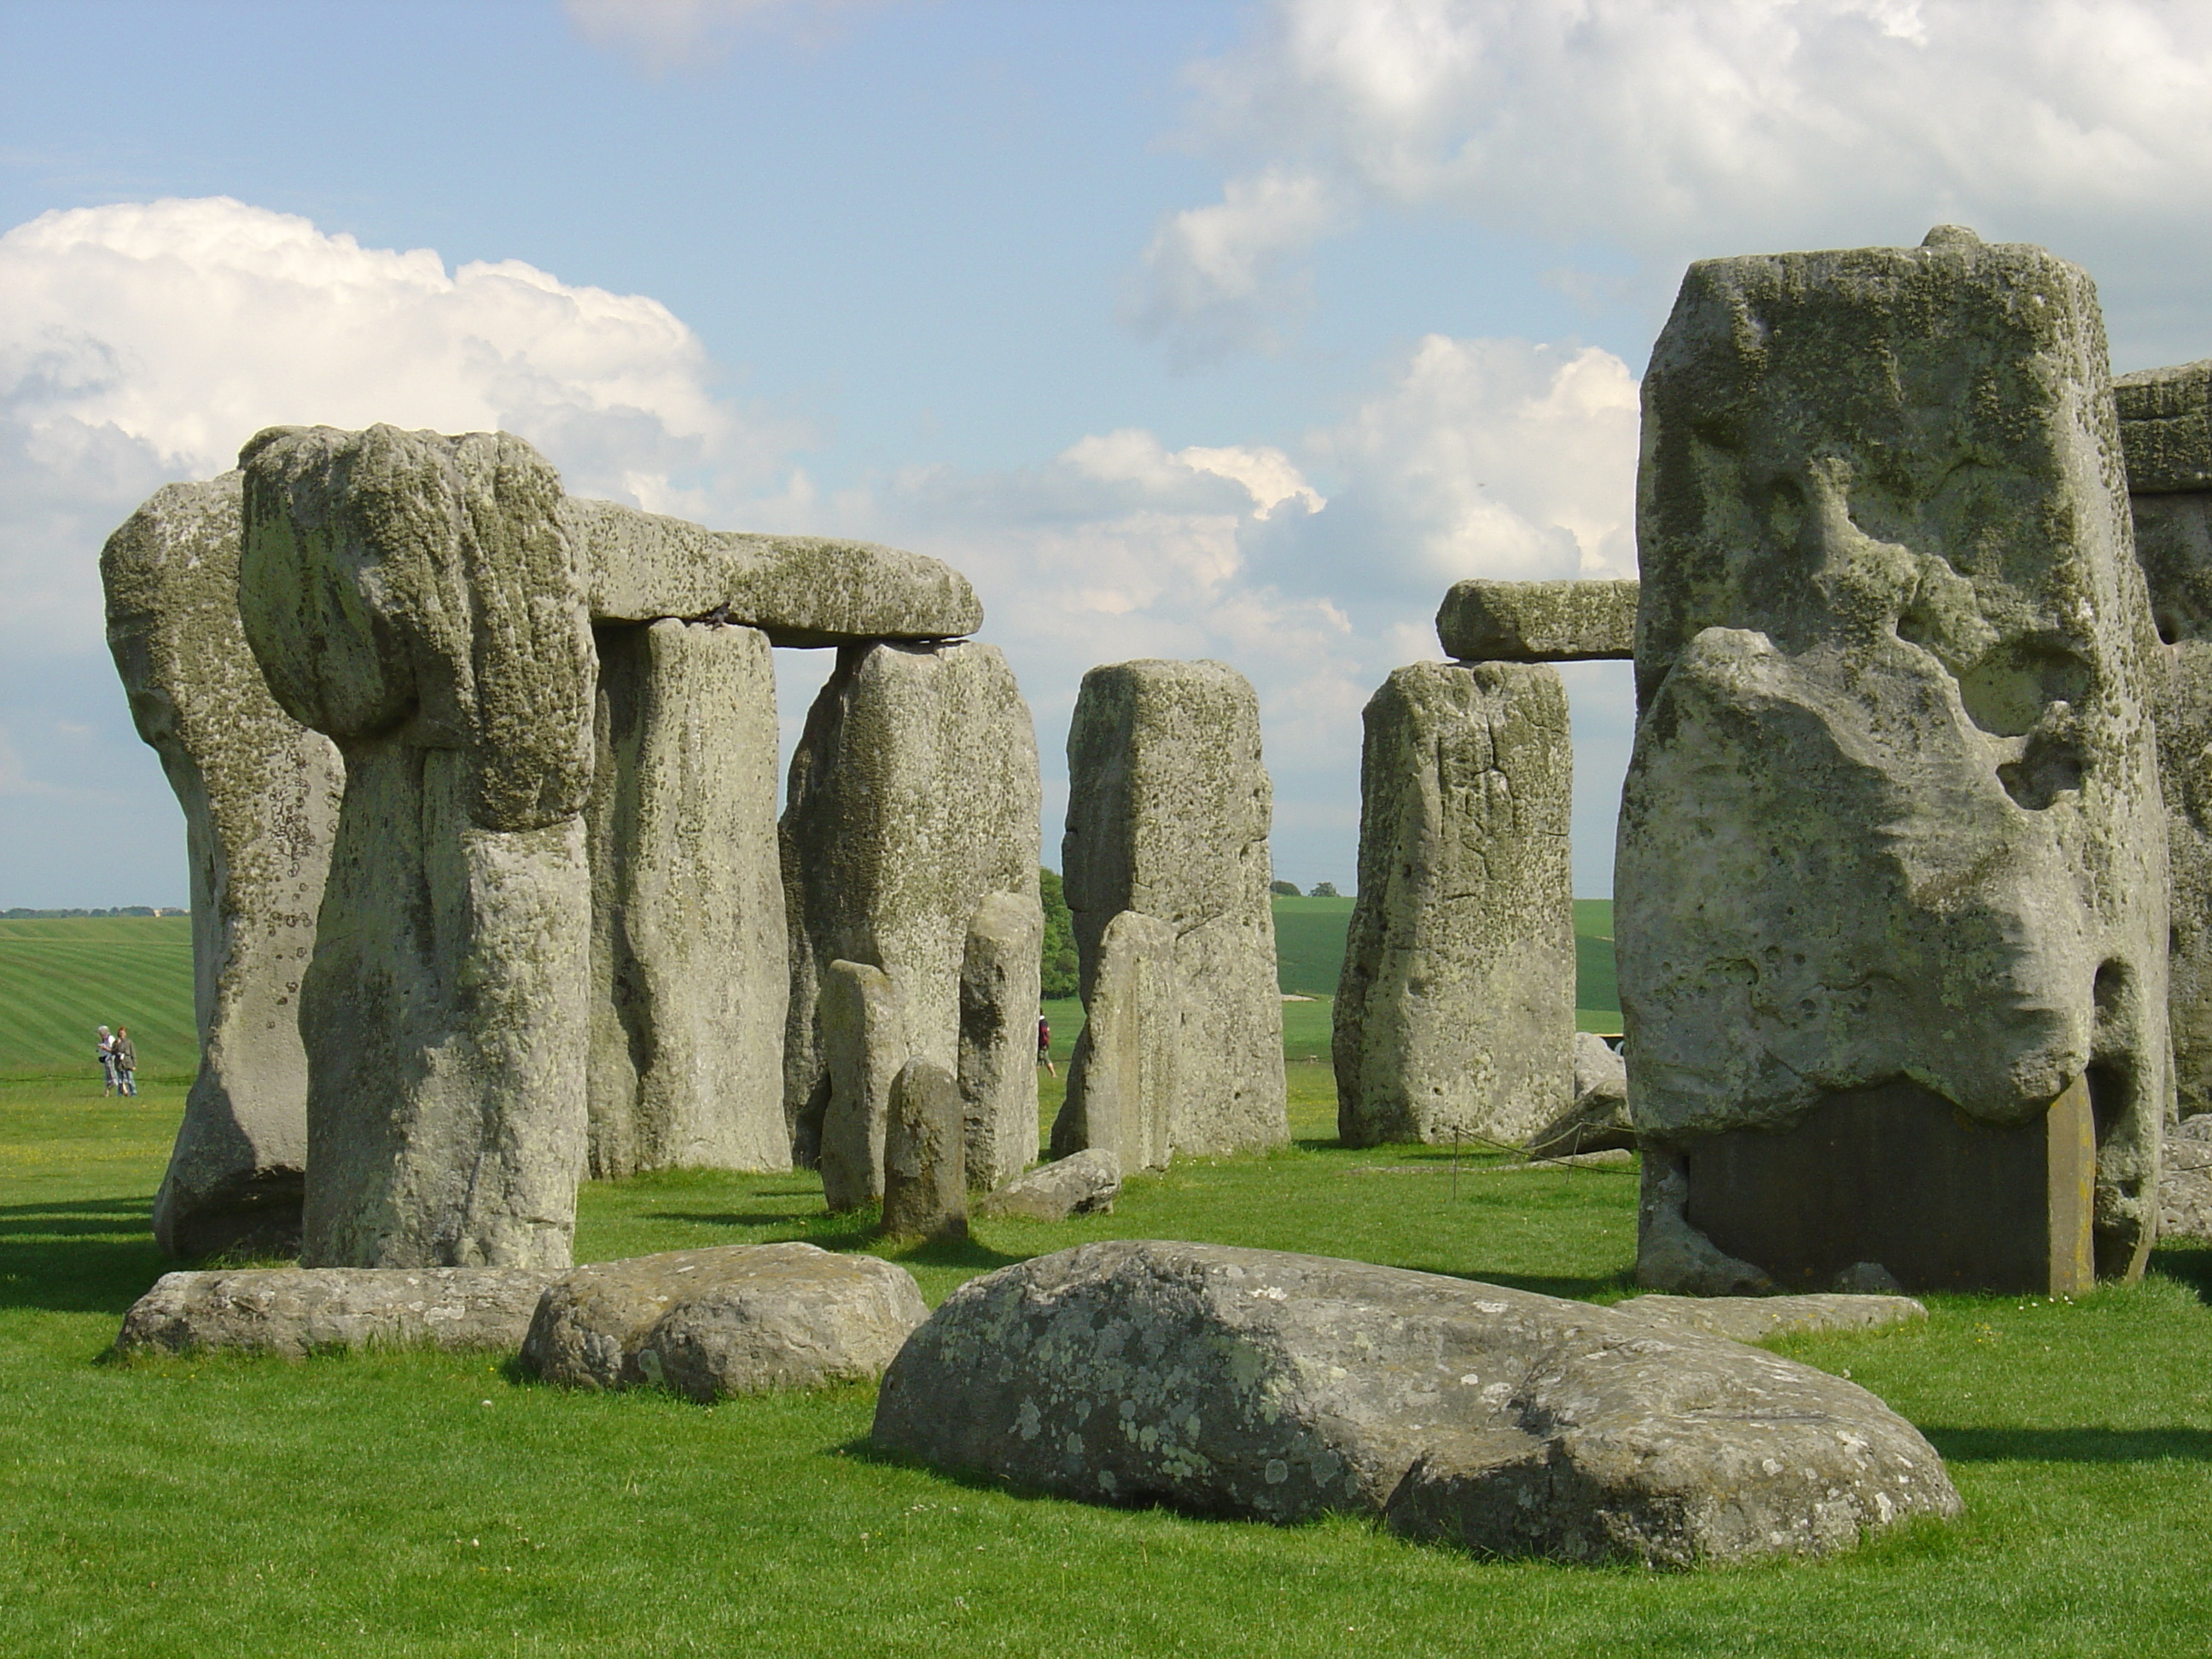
1283	889
1061	967
1323	890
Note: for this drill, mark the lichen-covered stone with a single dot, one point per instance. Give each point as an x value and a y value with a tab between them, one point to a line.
1121	1081
293	1312
1455	1014
1599	1119
2165	428
1082	1184
2185	1182
690	968
925	1180
1000	974
1168	814
1891	832
1538	622
1755	1318
260	796
415	598
738	1319
914	797
865	1045
1273	1387
799	590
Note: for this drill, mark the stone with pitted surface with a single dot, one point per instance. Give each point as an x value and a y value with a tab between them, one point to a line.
296	1311
737	1318
1121	1079
2185	1182
925	1184
1000	972
1538	622
1892	854
2165	427
260	796
1274	1386
864	1042
1082	1184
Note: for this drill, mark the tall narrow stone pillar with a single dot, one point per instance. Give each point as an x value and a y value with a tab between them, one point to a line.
1168	813
1000	974
1455	1012
1121	1079
1892	875
260	797
415	598
690	964
914	799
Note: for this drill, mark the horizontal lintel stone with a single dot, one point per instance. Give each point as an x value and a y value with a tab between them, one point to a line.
2165	428
1538	622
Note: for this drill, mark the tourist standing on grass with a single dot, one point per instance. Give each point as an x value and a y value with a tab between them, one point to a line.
1044	1047
126	1061
106	1054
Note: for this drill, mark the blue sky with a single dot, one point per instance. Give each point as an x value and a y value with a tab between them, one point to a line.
1190	329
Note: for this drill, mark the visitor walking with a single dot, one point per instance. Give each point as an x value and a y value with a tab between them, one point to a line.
105	1053
1044	1046
126	1061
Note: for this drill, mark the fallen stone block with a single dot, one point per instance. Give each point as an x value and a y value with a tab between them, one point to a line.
1273	1387
1753	1318
1538	622
1599	1119
1083	1183
738	1319
296	1311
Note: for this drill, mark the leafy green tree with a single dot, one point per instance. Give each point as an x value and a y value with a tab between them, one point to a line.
1323	890
1060	959
1283	889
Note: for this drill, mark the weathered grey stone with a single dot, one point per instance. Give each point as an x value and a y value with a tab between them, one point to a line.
260	797
799	590
2185	1188
1121	1079
1599	1119
1892	858
1455	1013
864	1039
1866	1278
1538	622
1000	974
924	1177
1168	813
297	1311
738	1319
1275	1386
914	796
1754	1319
690	968
2165	428
415	598
1082	1184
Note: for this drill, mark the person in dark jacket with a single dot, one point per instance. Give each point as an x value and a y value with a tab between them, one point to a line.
126	1061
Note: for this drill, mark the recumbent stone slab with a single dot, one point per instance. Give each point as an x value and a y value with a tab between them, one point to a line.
295	1311
1538	622
260	795
1754	1318
1455	1015
738	1319
1890	874
1168	814
1599	1119
690	966
415	598
1082	1184
1273	1387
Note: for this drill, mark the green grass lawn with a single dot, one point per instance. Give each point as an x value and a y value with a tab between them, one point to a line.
60	978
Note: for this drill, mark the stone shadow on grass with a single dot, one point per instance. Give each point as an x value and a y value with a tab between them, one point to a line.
2083	1445
87	1255
2191	1263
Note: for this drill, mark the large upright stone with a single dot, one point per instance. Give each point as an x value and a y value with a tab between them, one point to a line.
925	1186
1890	890
1538	622
260	797
1000	972
2167	437
1168	812
1121	1080
415	598
690	968
864	1042
912	799
1455	1012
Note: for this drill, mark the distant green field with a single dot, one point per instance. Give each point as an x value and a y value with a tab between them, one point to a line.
59	979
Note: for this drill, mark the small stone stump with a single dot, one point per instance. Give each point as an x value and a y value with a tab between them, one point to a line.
863	1038
925	1181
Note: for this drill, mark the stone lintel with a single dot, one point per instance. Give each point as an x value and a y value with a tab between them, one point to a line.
1538	622
2165	428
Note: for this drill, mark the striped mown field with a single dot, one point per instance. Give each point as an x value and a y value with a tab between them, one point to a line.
59	979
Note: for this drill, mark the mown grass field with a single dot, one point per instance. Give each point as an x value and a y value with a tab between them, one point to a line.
61	978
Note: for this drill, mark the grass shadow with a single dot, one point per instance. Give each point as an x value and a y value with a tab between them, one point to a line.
2191	1264
2082	1445
89	1255
969	1253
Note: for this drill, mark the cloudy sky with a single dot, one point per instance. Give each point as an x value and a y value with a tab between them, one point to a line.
1186	329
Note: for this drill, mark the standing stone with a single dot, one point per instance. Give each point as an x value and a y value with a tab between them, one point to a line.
914	797
691	969
260	797
1121	1079
1890	886
415	597
1000	972
1168	813
864	1043
925	1183
1456	1011
2167	437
